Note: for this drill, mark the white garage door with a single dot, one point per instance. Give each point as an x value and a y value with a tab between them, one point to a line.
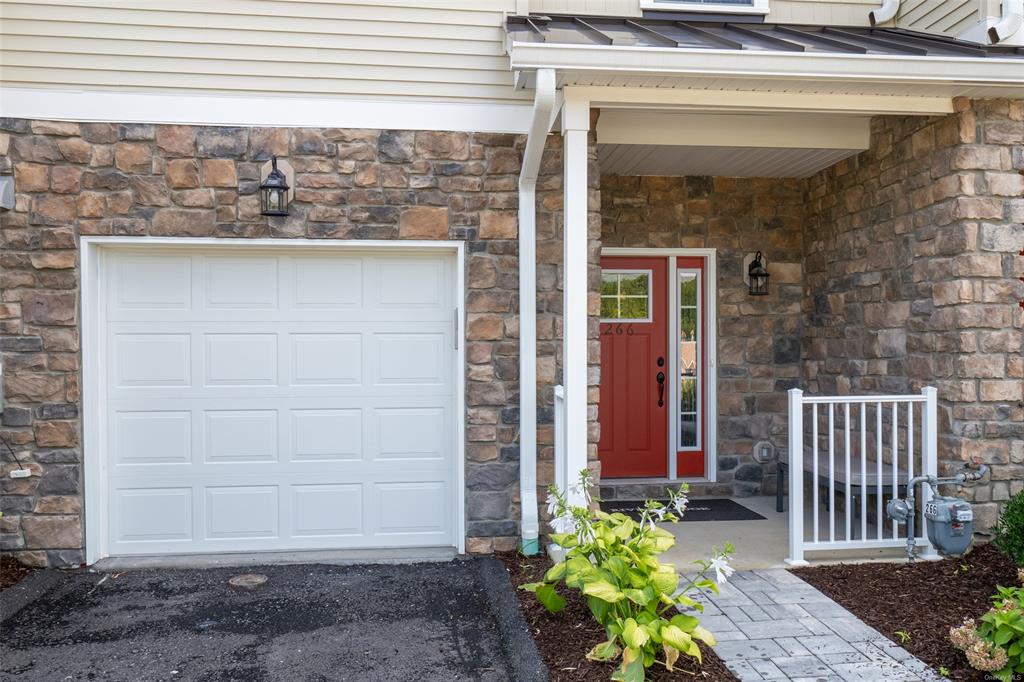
273	400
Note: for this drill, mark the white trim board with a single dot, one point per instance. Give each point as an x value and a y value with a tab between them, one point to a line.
225	110
91	282
710	257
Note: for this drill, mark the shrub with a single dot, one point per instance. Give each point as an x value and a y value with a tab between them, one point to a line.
612	560
1009	533
996	645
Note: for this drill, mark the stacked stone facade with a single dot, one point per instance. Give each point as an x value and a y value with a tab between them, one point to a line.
912	279
759	336
137	180
891	270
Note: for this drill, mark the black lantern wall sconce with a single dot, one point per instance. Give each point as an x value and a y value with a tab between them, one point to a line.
274	191
757	275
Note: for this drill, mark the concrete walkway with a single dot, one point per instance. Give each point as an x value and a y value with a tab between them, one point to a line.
771	625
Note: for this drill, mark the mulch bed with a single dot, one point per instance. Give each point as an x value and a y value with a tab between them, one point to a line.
11	571
565	638
923	599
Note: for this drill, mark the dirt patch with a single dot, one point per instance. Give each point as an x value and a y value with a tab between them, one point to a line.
923	599
12	571
564	638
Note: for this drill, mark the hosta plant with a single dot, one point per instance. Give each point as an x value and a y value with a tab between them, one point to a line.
996	643
612	560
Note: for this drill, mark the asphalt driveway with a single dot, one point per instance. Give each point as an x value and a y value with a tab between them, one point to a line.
436	621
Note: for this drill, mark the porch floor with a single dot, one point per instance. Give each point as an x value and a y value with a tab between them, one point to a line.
759	544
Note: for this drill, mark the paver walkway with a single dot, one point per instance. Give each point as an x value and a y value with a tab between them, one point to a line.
771	625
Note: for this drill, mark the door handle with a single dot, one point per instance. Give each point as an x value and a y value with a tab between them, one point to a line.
661	389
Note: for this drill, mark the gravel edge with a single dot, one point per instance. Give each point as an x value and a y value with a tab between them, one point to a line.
524	658
24	592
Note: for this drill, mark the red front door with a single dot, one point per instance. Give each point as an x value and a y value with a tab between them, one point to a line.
635	367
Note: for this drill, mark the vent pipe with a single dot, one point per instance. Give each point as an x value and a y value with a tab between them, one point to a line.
1009	22
884	13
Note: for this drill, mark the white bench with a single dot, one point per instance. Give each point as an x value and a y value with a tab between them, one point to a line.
857	478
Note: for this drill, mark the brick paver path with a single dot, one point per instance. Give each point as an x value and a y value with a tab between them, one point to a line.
771	625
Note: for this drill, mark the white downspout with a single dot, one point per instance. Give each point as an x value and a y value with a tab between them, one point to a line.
884	13
1009	23
543	102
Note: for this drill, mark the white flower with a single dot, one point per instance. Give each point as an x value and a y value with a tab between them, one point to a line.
552	505
722	569
563	524
679	504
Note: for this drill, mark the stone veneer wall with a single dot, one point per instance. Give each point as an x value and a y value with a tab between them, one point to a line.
759	338
136	179
911	280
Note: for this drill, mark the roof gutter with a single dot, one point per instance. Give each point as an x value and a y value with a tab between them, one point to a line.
884	13
540	124
951	71
1009	23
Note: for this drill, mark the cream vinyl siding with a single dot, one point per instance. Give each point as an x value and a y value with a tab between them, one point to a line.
443	50
950	17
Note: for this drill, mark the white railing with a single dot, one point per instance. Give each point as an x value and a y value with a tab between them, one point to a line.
561	461
886	440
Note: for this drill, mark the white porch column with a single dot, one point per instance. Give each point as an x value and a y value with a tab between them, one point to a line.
575	127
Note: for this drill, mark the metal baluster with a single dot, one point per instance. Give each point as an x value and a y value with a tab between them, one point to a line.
863	472
831	473
910	448
879	519
846	444
895	459
814	465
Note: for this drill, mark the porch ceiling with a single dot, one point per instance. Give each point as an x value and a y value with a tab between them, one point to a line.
659	142
735	162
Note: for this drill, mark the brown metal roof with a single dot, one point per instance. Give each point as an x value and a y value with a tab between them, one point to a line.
666	31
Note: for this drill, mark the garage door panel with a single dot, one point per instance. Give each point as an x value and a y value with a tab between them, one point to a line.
324	284
326	434
240	283
327	510
407	508
403	283
150	360
326	358
242	359
157	437
152	515
161	283
412	433
240	512
410	358
240	436
271	402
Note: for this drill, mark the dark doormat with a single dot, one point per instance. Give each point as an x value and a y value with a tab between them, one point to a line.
707	509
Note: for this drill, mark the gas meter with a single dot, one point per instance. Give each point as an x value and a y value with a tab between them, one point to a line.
949	521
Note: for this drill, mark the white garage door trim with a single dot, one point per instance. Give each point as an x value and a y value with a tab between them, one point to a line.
94	349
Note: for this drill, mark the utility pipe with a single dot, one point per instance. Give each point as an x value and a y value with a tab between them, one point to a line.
933	481
884	13
1009	23
540	124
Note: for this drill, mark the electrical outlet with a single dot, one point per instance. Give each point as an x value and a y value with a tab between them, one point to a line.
21	473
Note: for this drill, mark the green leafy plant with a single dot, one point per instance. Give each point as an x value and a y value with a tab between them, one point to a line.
1009	532
903	635
996	644
944	671
612	560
